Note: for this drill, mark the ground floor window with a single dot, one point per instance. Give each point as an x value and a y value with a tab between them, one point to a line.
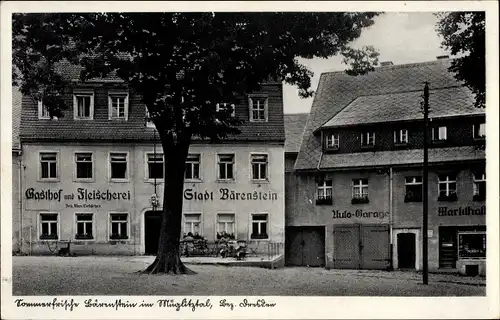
472	245
259	226
119	226
84	222
48	226
225	225
192	224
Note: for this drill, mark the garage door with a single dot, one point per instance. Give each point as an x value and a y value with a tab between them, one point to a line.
361	246
305	246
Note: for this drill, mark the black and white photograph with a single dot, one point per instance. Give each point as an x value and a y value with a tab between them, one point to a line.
225	161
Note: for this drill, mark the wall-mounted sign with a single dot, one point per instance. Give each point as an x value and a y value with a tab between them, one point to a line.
82	194
462	211
359	213
227	194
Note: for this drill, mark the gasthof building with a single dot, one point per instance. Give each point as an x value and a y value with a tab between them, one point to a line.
356	192
89	176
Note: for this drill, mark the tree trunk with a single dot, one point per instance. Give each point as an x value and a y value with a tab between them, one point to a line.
168	256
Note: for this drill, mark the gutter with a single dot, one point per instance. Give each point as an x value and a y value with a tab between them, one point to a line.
391	244
20	198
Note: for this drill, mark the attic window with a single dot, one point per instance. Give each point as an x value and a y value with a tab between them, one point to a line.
43	111
258	108
332	141
118	105
83	105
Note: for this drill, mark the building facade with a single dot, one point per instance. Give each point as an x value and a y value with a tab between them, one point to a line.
358	196
89	177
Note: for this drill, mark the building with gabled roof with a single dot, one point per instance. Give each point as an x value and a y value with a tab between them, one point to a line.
358	197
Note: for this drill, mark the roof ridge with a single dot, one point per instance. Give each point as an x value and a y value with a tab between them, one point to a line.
409	91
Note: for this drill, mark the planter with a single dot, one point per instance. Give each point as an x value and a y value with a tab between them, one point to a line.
324	201
360	200
449	198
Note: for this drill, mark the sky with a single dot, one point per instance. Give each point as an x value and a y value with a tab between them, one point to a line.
404	37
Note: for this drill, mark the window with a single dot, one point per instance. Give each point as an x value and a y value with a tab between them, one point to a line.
49	226
258	108
226	166
324	192
84	229
259	166
471	245
368	139
192	167
192	223
154	165
83	104
332	141
43	111
118	106
359	191
225	224
259	226
401	137
118	162
119	226
439	133
221	106
48	164
479	179
447	188
83	165
479	131
413	189
149	122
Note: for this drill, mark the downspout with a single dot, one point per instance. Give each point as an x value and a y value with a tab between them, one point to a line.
321	154
20	195
391	246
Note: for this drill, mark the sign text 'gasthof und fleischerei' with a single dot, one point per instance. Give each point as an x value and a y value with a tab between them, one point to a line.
228	194
82	194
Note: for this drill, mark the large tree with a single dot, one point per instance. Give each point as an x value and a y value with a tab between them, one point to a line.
464	35
182	64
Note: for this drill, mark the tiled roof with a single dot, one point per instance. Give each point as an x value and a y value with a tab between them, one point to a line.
405	106
294	128
336	90
16	116
399	157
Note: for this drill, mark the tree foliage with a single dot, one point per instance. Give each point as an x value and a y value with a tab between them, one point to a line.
464	35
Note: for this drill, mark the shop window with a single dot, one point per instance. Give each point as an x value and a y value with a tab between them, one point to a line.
224	106
225	225
479	179
472	245
368	139
43	111
192	224
154	165
413	189
84	168
48	165
192	167
226	166
324	192
118	106
447	187
400	137
49	226
332	141
259	166
118	163
359	191
479	131
119	226
439	134
259	226
258	108
84	226
83	105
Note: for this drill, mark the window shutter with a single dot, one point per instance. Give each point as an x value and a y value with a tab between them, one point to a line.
473	132
266	109
395	136
126	107
250	107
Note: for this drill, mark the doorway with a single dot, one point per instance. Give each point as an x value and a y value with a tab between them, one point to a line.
305	246
406	250
152	225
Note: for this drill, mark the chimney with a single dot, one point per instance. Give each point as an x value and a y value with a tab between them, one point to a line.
386	63
442	57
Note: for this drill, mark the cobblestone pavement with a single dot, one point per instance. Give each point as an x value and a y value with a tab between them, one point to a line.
118	276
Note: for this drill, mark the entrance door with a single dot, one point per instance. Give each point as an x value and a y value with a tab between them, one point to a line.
152	225
305	246
406	250
361	246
